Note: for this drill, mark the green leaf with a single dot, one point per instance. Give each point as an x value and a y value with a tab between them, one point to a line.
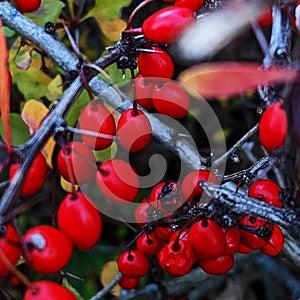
55	88
48	12
19	130
76	109
69	287
107	15
106	9
106	154
8	32
32	83
70	4
25	67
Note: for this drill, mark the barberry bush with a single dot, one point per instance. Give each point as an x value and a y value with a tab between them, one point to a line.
149	149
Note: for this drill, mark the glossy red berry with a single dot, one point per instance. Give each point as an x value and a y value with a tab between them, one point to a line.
134	130
166	196
117	181
275	243
176	257
191	4
265	18
97	118
79	220
49	249
143	92
190	185
158	64
10	246
47	290
76	163
129	283
141	212
150	244
217	266
35	177
250	232
167	24
273	127
233	240
207	239
244	249
164	233
171	99
266	190
28	5
133	263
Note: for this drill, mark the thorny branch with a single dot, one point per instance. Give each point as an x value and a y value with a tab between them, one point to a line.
279	52
58	52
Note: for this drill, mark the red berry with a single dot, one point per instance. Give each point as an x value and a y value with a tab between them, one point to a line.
266	190
134	130
76	163
133	263
164	233
158	64
275	244
143	92
167	24
273	127
47	290
217	266
141	212
171	99
207	239
35	177
10	247
191	4
79	220
117	181
250	237
150	244
176	257
129	283
49	249
28	5
166	196
190	185
244	249
233	240
265	18
97	118
181	235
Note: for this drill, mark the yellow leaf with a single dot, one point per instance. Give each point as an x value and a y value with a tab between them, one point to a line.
55	88
108	273
111	28
33	114
66	185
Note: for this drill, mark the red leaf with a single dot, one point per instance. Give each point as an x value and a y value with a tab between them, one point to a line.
225	79
5	89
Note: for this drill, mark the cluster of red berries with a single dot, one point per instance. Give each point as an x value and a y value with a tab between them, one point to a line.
204	242
48	249
200	242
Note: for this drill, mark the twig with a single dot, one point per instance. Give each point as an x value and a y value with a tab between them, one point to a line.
241	204
235	147
108	288
248	174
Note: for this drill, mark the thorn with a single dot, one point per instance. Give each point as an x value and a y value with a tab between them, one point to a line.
148	50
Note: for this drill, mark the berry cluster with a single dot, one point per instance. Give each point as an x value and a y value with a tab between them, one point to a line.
175	228
201	241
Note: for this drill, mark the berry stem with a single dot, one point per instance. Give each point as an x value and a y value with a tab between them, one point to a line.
142	4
